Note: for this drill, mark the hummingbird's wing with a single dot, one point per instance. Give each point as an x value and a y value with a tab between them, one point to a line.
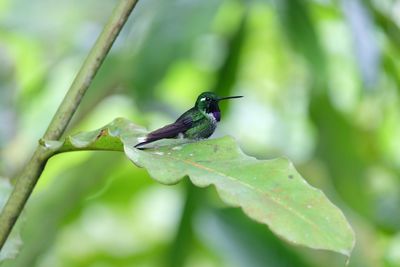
172	130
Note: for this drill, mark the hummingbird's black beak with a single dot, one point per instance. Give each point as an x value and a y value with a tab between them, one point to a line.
229	97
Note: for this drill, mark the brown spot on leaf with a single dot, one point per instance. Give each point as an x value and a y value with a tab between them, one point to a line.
215	149
290	176
103	132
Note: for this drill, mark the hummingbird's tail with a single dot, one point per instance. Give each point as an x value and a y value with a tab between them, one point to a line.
142	141
145	140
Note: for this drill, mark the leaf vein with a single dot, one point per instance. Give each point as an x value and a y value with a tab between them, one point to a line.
262	193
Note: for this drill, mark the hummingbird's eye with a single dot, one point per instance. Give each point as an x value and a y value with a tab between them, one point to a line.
207	99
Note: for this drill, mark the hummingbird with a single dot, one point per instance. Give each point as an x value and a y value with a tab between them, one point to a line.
199	122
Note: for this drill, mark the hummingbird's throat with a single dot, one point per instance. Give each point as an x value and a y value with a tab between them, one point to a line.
215	115
214	112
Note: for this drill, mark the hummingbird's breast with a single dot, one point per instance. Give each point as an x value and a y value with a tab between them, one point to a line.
202	128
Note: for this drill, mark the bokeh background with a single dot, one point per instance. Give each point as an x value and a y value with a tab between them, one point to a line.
321	83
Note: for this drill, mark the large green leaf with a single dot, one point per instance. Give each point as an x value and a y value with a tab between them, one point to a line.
269	191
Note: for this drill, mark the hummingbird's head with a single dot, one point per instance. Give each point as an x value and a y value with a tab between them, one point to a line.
208	103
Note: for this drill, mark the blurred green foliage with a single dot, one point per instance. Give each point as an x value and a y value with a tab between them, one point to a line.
321	85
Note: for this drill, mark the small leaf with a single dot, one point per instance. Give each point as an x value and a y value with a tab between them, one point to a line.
269	191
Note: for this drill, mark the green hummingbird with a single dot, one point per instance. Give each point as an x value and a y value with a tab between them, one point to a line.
199	122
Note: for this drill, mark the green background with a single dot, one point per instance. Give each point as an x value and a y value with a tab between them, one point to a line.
320	80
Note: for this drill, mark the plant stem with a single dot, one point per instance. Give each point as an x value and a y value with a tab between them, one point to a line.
32	171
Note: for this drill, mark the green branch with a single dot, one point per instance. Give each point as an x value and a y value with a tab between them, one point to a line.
32	171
